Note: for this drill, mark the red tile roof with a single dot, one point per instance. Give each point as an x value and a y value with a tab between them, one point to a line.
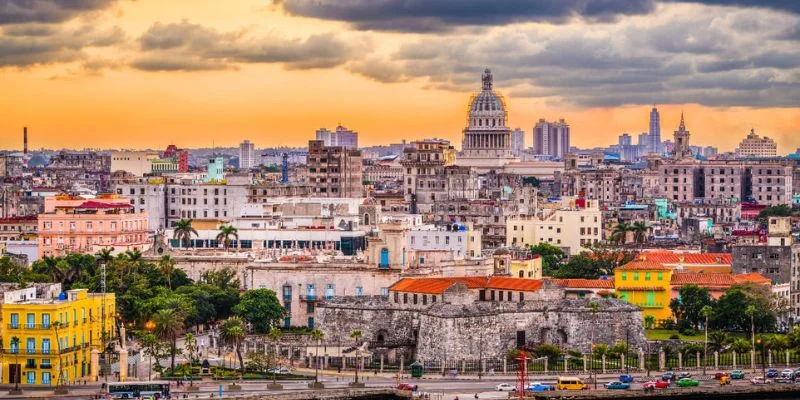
666	257
439	285
715	281
585	283
98	204
644	266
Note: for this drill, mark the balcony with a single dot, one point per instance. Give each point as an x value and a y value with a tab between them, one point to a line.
30	326
46	366
308	297
648	305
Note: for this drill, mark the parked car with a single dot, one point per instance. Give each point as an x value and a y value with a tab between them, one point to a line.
407	386
759	380
279	371
720	375
668	376
656	384
737	374
539	387
772	373
684	375
617	385
626	378
783	379
687	382
505	387
787	373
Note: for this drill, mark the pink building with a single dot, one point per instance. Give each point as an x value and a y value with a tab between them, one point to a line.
89	225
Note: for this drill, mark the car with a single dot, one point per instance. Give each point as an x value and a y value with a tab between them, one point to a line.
656	384
687	382
406	386
759	380
720	375
539	387
505	387
737	374
783	379
787	373
668	376
617	385
684	375
772	373
626	378
279	371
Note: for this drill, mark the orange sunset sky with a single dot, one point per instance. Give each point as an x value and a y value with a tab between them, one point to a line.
144	74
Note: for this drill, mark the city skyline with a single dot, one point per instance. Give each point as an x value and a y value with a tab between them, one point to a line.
145	75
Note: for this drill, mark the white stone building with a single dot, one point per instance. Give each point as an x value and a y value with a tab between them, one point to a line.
571	226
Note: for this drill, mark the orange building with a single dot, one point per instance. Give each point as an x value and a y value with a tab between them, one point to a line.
690	262
717	284
87	225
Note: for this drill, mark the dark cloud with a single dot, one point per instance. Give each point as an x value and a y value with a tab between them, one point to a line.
446	15
443	15
27	46
711	56
46	11
191	47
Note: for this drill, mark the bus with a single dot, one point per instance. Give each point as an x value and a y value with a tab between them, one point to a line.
135	390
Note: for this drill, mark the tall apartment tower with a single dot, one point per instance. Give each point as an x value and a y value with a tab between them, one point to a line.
334	171
551	138
655	131
517	141
247	155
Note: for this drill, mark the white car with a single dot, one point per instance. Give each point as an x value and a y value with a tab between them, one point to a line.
759	381
506	387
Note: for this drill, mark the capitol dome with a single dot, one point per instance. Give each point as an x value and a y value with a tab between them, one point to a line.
487	109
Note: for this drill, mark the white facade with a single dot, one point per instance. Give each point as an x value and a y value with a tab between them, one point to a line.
569	227
134	162
430	238
341	136
757	146
247	155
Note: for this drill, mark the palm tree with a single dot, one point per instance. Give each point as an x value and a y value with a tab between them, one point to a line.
751	311
639	229
317	336
716	340
649	321
167	265
190	343
356	335
183	231
104	255
620	232
169	323
134	255
706	312
52	268
15	348
232	331
224	235
274	336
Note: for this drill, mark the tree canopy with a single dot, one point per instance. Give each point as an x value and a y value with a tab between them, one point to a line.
261	308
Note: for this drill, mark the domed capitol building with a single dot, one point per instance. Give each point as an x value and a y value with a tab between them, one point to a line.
487	138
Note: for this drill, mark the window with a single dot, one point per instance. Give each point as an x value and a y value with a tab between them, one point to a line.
45	321
647	276
31	321
31	377
624	276
661	276
385	292
636	276
45	346
329	292
396	297
14	321
30	346
45	375
359	291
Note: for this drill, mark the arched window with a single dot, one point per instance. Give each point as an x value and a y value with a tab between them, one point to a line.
480	122
366	218
521	273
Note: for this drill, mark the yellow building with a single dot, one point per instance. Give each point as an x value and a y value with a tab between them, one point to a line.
530	268
645	284
54	335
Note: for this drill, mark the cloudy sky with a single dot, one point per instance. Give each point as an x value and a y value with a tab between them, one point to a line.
146	73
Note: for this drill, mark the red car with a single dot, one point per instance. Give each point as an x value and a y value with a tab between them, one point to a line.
719	375
656	384
406	386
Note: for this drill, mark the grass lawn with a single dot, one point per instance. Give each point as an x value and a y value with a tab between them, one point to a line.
664	334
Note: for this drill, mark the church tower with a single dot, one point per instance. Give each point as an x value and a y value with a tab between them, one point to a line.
682	150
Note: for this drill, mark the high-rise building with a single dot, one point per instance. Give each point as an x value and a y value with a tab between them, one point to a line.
625	139
655	131
517	141
341	136
247	155
334	171
757	146
551	138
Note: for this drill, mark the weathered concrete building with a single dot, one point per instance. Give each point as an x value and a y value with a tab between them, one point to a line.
468	318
